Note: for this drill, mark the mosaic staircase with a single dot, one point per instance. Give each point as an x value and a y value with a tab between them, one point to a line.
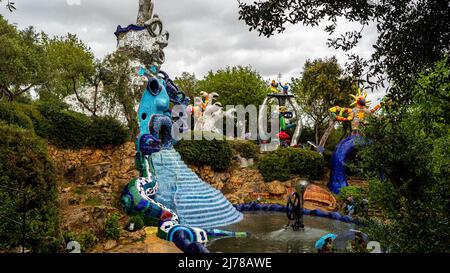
196	202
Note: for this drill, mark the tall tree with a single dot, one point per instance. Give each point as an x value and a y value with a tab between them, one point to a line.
187	83
73	72
321	87
235	86
412	35
23	65
119	90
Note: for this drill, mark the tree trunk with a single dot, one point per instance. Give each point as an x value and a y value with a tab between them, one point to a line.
5	91
316	129
327	133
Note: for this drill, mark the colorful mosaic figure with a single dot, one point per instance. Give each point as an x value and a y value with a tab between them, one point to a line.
357	116
155	134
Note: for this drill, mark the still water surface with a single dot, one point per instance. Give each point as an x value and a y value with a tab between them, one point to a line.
268	234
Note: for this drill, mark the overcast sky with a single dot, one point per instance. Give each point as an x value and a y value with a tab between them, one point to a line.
204	34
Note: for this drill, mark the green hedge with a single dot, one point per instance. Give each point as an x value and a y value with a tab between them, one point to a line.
65	128
105	131
215	153
12	114
62	127
283	163
247	149
25	165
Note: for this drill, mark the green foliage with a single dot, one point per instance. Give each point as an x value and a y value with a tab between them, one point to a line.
23	64
356	192
25	165
283	163
321	87
410	147
93	201
187	83
215	153
68	129
246	149
106	131
118	90
358	195
88	240
71	64
112	227
411	35
69	236
65	128
235	86
138	222
11	114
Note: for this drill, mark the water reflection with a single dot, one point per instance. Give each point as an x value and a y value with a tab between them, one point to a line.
268	234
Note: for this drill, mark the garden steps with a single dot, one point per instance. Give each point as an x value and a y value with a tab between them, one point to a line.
197	203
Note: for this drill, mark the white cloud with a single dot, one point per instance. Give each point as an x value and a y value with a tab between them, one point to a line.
204	34
73	2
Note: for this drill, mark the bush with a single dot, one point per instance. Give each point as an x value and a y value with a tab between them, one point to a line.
112	227
36	117
25	165
106	131
138	221
69	236
215	153
73	130
247	149
285	162
12	114
65	128
356	192
88	240
358	195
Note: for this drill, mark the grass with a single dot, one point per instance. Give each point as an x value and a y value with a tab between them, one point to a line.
93	201
80	191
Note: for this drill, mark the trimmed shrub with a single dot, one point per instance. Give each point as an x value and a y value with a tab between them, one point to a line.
283	163
106	131
25	166
215	153
12	114
247	149
65	128
36	117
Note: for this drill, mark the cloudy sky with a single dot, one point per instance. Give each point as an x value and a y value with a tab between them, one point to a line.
204	34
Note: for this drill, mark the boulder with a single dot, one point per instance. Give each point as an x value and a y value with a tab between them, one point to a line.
110	244
276	188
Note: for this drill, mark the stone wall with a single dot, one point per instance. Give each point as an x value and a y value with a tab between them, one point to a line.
241	185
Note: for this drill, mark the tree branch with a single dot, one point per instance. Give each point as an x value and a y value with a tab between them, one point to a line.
79	97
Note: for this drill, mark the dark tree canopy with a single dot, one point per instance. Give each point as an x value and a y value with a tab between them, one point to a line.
412	35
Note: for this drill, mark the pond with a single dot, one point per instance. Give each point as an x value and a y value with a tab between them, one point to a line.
268	234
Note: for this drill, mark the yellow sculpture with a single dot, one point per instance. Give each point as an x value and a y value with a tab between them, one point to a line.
357	114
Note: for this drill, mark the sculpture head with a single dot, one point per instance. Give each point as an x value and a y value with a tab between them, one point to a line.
145	43
360	99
